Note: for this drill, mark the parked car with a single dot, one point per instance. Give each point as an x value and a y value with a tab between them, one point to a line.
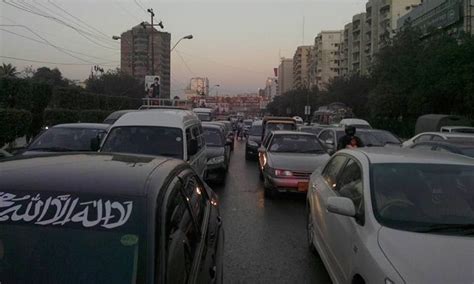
273	123
116	115
4	154
393	215
370	138
435	136
254	140
461	147
356	122
107	218
72	137
161	132
217	153
458	129
228	132
434	122
287	160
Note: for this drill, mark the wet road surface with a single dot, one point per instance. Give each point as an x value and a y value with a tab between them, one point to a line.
265	240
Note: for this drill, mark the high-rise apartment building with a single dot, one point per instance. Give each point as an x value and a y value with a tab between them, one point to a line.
381	22
326	58
285	76
451	16
136	55
301	64
199	86
271	88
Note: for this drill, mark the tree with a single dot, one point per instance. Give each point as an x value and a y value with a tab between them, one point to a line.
115	83
8	70
52	77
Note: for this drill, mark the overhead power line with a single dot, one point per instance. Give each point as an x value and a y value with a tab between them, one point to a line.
42	42
139	5
49	62
83	33
185	64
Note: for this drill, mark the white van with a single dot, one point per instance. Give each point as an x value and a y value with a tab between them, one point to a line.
162	132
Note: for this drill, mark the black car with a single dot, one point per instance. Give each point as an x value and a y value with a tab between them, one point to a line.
456	146
107	218
72	137
217	151
254	140
229	133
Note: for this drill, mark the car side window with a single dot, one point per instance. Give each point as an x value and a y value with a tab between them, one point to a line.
332	170
437	138
350	184
423	147
423	138
197	134
441	149
267	140
197	197
327	135
181	236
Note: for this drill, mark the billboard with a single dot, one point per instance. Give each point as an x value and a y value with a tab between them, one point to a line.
152	86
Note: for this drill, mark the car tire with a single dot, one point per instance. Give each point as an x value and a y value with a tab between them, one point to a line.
309	231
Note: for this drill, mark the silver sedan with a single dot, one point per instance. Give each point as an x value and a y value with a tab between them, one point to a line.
388	215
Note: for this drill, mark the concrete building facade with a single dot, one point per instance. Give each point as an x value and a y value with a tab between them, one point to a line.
136	59
451	16
271	88
381	22
346	50
326	57
285	76
301	65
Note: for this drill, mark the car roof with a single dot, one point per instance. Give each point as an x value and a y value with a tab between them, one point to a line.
287	132
101	173
449	134
83	125
158	117
354	121
384	155
212	126
458	143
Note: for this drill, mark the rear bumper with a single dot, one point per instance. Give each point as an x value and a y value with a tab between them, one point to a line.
289	184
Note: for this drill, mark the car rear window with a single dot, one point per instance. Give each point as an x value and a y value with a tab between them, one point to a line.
62	238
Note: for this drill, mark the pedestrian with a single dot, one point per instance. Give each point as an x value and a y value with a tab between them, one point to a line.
240	129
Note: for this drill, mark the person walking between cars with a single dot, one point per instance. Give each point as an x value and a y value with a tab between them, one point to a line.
349	140
240	129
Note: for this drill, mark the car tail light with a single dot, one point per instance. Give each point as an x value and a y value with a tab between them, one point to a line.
283	173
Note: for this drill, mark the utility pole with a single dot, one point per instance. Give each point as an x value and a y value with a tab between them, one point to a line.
152	14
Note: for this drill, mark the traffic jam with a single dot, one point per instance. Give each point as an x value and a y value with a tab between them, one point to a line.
132	199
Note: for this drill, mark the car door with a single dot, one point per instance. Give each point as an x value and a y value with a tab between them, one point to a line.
323	188
199	160
342	228
327	137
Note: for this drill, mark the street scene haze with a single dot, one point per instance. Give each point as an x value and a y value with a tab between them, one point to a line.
199	141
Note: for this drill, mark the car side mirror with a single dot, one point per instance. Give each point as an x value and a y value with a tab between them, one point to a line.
192	147
341	206
95	144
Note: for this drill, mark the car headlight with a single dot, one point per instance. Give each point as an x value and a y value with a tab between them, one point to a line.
216	160
253	143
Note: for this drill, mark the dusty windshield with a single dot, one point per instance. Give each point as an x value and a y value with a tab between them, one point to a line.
296	144
419	197
148	140
66	139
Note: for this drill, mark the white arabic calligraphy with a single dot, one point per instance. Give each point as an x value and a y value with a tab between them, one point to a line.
64	209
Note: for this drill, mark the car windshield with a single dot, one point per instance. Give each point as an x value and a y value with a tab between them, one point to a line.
296	143
278	126
146	140
203	116
66	139
213	137
423	197
256	130
100	240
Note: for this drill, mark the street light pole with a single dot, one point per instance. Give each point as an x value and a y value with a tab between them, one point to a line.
152	14
185	37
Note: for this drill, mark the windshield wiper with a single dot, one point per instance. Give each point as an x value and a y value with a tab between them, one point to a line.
467	229
52	149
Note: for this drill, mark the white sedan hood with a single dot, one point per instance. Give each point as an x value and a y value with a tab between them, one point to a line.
429	258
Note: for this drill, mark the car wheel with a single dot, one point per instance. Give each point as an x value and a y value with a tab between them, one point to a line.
309	231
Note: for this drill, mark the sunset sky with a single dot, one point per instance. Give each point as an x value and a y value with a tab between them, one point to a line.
236	43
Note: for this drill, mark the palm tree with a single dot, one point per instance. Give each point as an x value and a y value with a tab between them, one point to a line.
8	70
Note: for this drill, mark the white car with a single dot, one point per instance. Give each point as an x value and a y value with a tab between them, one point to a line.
458	129
435	136
393	215
356	122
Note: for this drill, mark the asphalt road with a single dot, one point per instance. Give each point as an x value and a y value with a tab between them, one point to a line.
265	240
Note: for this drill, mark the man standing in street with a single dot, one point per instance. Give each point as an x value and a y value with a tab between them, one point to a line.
156	87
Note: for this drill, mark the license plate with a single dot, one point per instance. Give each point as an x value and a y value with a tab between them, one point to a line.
303	186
